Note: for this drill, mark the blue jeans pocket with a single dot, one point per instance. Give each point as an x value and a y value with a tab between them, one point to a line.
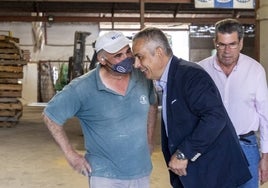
251	149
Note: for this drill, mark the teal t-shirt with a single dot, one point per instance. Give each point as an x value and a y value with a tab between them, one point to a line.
114	126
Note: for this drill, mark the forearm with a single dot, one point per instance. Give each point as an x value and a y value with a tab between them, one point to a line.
264	156
77	161
151	123
263	168
59	136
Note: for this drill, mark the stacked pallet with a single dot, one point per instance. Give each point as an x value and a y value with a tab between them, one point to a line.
11	73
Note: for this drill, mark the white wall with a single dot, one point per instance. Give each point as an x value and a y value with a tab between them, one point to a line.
59	46
180	43
30	84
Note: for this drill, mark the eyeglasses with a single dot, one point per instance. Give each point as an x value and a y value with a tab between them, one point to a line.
222	46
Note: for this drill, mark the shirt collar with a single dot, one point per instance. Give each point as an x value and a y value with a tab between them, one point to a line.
163	79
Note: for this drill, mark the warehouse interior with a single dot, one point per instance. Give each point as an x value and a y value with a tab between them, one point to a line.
38	44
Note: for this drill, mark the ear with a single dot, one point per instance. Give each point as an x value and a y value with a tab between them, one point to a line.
241	42
159	51
214	42
100	58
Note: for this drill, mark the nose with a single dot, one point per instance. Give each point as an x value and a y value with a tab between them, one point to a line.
137	63
227	48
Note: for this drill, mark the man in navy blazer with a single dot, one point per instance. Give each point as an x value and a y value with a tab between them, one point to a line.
199	142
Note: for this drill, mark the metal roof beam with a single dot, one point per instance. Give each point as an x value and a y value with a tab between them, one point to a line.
108	1
197	19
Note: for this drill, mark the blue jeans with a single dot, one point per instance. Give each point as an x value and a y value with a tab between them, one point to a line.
251	150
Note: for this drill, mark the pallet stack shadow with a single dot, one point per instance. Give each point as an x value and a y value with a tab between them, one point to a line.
11	73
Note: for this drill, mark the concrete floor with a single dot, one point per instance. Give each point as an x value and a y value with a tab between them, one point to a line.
30	158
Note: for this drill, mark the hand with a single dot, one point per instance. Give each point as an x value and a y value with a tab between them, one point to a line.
79	163
263	168
178	166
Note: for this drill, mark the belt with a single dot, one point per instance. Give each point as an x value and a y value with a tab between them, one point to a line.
247	134
243	137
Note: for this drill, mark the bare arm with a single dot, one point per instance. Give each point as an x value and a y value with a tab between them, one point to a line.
152	118
77	161
263	168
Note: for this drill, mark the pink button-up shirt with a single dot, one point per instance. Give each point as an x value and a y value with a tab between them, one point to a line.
244	94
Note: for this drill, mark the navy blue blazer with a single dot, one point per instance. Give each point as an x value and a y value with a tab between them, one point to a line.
198	125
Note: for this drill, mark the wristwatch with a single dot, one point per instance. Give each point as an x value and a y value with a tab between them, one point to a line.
180	155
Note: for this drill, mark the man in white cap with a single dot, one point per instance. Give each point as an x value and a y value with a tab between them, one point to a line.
117	109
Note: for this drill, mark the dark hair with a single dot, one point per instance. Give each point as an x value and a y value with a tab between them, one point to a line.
154	38
229	26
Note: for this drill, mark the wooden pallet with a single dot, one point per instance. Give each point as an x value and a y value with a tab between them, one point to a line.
10	112
7	68
7	45
10	90
8	124
11	75
8	80
10	56
13	119
11	71
10	50
8	38
12	62
11	87
10	104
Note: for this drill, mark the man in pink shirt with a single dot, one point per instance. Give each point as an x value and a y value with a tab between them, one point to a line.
242	84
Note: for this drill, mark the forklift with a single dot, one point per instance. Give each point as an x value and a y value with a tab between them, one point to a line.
76	62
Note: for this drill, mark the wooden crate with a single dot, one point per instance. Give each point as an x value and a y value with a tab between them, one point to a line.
11	71
8	38
8	80
11	93
12	62
6	68
11	75
10	111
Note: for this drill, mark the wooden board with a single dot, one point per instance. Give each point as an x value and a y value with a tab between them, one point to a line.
12	62
10	94
9	100
7	113
9	51
10	121
10	68
8	81
13	87
6	45
8	38
10	111
11	106
10	56
11	75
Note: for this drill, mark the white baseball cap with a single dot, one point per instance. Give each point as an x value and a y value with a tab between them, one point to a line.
111	42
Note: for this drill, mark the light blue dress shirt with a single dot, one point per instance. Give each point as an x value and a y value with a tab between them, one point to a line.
163	84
